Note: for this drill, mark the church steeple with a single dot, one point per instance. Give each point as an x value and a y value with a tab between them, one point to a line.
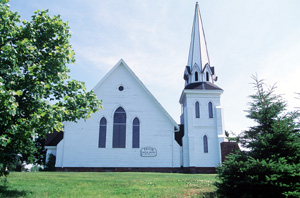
198	68
201	117
198	51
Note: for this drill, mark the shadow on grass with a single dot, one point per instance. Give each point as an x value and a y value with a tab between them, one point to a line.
210	195
5	192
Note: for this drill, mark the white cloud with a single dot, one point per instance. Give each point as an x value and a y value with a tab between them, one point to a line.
244	38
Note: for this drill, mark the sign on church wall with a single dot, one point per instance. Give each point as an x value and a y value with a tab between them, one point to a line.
148	152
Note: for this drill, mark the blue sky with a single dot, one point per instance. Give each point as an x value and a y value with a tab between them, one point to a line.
152	36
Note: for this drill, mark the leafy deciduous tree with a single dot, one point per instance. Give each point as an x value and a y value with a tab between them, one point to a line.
36	92
40	150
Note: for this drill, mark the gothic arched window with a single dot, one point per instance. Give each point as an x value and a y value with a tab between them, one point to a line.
205	144
136	133
196	76
210	110
207	76
197	110
119	131
102	133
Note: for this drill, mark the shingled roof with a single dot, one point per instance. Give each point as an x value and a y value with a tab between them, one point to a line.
54	138
203	86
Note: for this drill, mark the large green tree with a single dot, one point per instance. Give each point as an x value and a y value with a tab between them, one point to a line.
270	166
36	92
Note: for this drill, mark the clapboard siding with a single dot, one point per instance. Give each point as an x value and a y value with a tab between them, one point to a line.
81	139
196	128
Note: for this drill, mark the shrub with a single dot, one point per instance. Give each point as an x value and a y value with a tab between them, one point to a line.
50	164
35	168
271	167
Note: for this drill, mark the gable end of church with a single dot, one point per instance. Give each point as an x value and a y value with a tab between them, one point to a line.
134	132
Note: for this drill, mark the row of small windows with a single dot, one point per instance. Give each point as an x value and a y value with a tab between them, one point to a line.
197	76
119	131
197	110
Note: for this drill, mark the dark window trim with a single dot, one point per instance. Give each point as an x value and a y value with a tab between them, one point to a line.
210	110
197	110
205	144
136	133
196	76
102	133
119	128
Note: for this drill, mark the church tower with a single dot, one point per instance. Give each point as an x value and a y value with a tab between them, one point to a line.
200	101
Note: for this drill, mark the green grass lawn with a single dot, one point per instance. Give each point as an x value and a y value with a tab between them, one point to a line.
95	184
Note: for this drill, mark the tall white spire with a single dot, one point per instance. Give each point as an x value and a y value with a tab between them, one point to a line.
198	50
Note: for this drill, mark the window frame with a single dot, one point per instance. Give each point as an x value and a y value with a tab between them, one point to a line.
119	128
205	144
197	109
207	76
102	133
136	133
196	76
210	110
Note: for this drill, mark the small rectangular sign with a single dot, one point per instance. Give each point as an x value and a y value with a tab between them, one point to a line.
148	152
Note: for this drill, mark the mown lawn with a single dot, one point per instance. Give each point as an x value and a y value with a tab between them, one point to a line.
95	184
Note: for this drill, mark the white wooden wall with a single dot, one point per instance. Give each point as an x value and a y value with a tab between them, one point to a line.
79	148
196	128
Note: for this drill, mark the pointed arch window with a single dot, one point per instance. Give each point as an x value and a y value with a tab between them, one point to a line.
207	76
197	110
136	133
119	129
210	110
102	133
196	76
205	144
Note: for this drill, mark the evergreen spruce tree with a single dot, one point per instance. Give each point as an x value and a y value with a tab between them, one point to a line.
271	165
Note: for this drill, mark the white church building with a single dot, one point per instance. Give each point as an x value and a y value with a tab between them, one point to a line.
135	133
